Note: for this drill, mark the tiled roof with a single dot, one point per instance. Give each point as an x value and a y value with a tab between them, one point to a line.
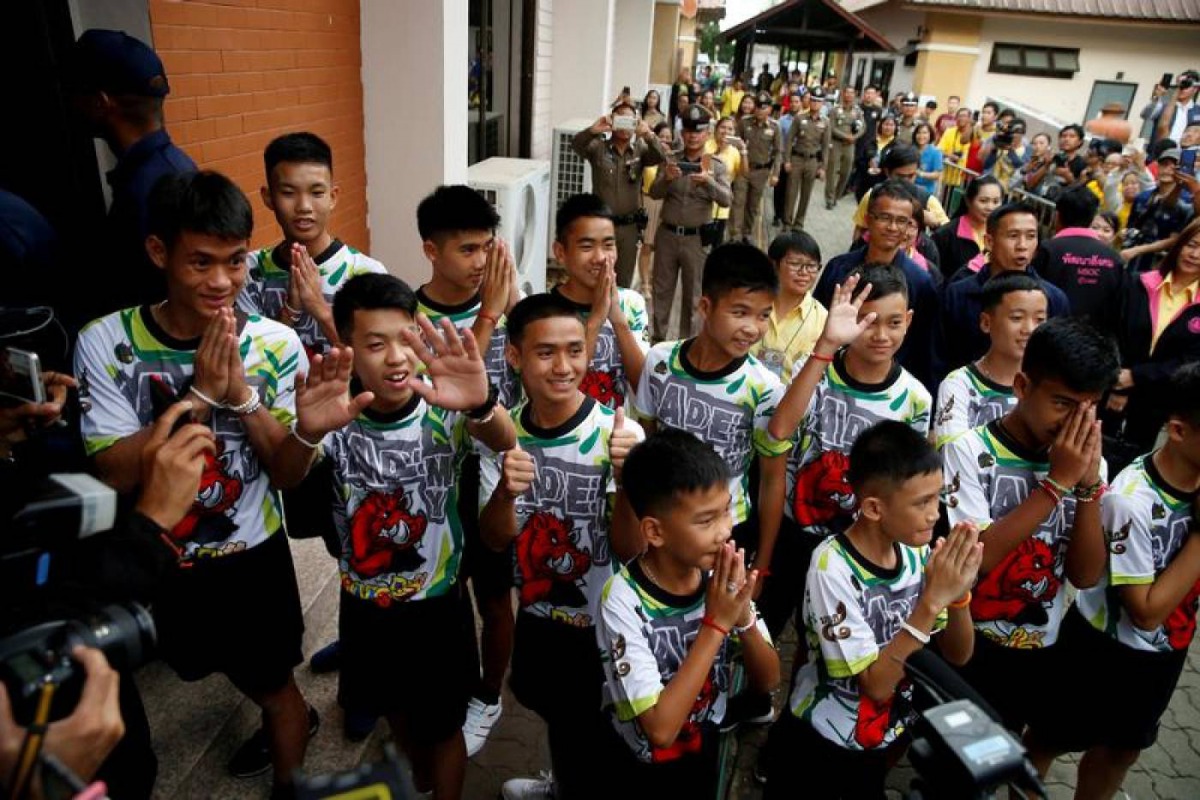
1148	10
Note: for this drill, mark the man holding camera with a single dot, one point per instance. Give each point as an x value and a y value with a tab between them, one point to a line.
764	141
617	163
846	127
1180	109
688	185
1005	153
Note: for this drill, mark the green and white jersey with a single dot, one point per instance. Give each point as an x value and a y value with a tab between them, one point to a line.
606	380
852	609
396	513
268	275
561	556
1021	602
645	634
463	317
117	359
728	409
819	497
1146	522
967	399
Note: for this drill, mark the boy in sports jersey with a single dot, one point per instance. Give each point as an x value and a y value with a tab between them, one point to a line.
1029	480
850	382
671	620
294	282
1139	620
474	284
877	593
232	606
1013	306
556	501
394	450
585	244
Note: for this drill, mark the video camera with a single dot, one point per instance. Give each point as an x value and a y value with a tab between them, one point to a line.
1005	135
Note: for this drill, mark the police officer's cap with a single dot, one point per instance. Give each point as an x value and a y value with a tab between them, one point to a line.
817	94
909	99
696	119
115	62
764	99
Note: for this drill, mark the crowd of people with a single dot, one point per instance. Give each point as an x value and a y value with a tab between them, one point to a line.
910	450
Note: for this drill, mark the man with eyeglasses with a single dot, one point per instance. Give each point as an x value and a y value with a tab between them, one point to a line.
892	206
797	319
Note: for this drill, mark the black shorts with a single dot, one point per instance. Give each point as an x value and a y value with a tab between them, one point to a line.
694	775
1092	710
803	763
490	572
238	615
556	669
408	660
1020	684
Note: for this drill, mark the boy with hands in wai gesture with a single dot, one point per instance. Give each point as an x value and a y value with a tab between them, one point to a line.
394	449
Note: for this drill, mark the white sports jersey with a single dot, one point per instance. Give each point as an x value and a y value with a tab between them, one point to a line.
967	399
606	379
463	317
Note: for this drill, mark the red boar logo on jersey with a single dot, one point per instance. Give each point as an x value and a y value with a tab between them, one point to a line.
550	562
822	491
690	738
1019	587
1180	625
208	520
601	387
385	536
875	719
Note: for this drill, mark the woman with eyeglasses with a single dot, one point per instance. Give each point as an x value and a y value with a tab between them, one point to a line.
797	318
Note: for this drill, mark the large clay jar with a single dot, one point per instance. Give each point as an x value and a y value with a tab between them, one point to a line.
1111	124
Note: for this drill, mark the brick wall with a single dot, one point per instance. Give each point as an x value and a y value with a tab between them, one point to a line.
245	71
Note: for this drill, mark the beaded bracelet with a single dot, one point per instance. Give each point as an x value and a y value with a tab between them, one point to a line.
1048	487
1092	494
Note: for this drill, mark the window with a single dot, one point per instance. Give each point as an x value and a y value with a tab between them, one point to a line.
1047	62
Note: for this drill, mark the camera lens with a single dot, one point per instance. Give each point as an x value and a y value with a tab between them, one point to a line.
124	632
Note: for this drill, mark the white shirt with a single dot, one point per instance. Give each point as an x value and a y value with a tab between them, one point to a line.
1180	120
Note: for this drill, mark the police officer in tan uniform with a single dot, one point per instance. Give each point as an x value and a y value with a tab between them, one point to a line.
908	121
846	127
688	185
764	145
807	144
617	164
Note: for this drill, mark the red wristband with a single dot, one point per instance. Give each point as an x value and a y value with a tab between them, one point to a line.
963	601
709	622
489	317
818	357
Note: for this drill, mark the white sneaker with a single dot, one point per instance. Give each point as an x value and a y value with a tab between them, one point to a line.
481	718
539	788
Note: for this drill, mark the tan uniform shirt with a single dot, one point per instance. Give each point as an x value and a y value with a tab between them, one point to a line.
848	125
905	129
764	143
687	204
616	176
809	136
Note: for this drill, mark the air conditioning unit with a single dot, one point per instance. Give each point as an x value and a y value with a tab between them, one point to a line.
569	173
519	189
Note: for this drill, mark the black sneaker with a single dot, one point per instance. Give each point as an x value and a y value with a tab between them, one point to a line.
327	659
748	708
254	756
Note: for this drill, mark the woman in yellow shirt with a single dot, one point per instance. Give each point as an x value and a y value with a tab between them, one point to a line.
955	144
732	153
731	101
797	318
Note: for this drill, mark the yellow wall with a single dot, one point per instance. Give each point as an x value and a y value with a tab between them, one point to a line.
662	48
943	74
687	43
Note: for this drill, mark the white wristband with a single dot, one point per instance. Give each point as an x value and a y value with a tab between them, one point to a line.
248	407
302	440
205	398
917	634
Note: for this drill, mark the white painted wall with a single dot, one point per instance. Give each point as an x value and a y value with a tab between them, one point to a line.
541	144
633	33
898	26
582	62
1143	53
414	75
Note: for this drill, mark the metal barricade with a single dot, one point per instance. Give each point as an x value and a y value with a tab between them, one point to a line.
954	181
1043	208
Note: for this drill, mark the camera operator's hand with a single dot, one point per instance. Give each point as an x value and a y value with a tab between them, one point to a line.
16	422
84	739
172	466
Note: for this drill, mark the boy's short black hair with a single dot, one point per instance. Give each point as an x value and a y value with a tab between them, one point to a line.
370	292
1076	207
998	286
297	148
579	206
885	280
738	266
452	209
203	202
668	464
1183	393
1007	210
890	452
793	242
537	307
1073	351
992	104
900	155
893	189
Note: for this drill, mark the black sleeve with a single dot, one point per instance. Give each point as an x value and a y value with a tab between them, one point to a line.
128	563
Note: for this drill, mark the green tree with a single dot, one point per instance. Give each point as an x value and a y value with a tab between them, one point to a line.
716	50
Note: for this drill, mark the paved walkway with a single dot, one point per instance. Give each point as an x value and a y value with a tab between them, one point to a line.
197	726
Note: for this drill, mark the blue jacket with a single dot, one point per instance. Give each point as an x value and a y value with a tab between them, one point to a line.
959	340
